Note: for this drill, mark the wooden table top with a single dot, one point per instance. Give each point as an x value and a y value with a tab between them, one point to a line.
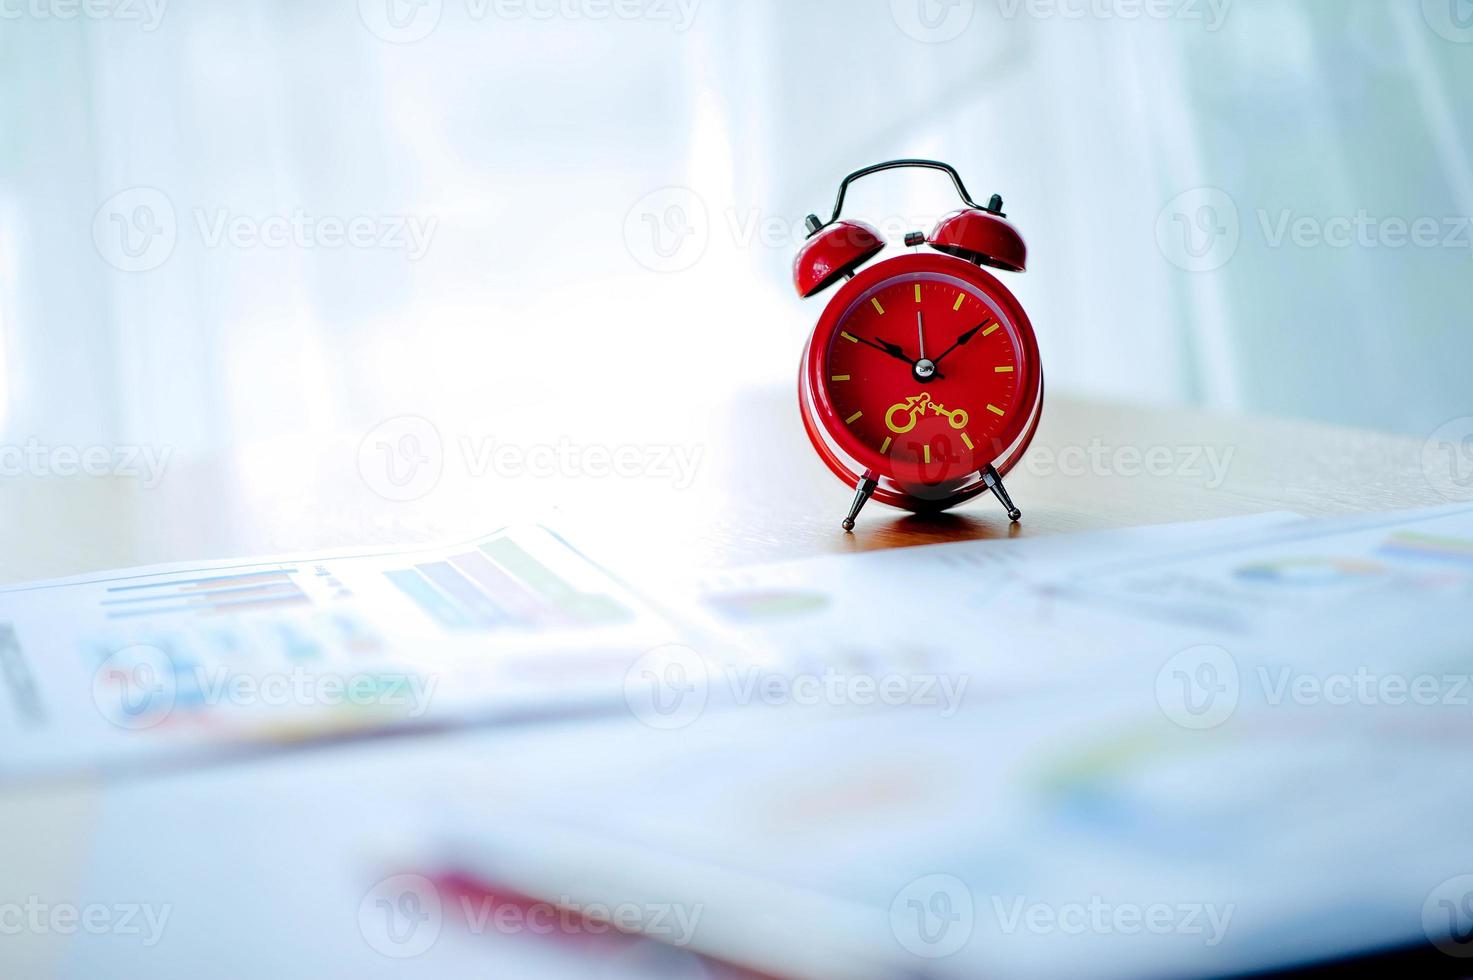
759	494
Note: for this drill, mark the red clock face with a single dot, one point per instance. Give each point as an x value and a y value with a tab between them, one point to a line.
924	376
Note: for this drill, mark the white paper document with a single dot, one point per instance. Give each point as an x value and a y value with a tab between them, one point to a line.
1304	570
1202	754
167	662
986	604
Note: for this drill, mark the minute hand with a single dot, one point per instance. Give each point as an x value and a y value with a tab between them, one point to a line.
961	341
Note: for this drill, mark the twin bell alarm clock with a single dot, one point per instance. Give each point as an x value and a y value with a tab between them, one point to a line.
921	384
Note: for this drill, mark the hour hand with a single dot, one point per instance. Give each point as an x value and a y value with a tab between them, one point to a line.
894	350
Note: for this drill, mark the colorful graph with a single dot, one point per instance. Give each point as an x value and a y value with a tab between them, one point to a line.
1128	787
180	674
1311	572
767	604
502	586
1429	547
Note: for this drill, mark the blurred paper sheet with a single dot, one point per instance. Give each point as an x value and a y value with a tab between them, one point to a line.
1309	568
1178	802
163	662
924	608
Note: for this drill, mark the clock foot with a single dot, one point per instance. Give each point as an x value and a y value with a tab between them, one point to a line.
866	489
993	479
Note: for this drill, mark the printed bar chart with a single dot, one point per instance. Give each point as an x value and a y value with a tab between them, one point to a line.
439	606
502	586
582	607
504	590
483	611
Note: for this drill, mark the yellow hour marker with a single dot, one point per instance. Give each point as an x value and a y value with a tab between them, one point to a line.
926	451
855	418
995	410
849	336
885	446
992	330
918	292
845	377
967	440
878	308
960	299
1003	370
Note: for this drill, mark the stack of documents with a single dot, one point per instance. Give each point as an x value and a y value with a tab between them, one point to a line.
1191	749
1179	751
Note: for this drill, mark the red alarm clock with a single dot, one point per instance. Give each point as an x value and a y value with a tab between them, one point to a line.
921	385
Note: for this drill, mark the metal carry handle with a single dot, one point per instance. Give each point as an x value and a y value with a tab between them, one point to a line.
945	168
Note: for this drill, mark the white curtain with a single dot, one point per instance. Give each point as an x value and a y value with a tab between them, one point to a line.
523	148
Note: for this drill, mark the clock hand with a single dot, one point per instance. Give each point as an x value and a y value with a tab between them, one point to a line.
921	334
961	341
895	350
